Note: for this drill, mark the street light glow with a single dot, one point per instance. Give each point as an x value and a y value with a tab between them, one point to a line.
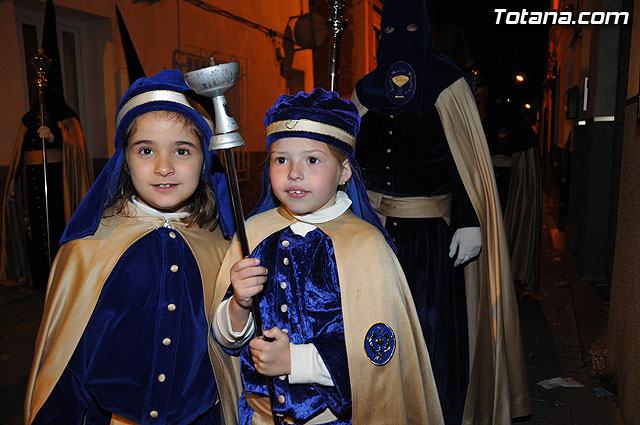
519	78
526	105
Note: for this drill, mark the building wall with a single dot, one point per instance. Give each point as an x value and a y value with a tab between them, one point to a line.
597	146
162	31
593	52
358	44
583	150
569	48
623	342
10	72
157	31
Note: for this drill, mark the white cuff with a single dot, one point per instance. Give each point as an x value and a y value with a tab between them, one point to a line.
223	331
307	367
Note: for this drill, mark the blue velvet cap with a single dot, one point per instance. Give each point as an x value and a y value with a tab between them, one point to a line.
321	115
324	116
165	91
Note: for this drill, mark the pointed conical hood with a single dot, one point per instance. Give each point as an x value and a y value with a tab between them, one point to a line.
56	108
411	71
134	66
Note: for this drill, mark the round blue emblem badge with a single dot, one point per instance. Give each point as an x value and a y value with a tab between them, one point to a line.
379	344
400	83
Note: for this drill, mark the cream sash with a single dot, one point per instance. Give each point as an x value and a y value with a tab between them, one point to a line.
411	206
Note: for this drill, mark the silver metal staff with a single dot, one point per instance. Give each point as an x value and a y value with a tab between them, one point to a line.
41	63
335	24
214	82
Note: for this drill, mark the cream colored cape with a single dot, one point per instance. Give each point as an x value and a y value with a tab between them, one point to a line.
76	180
373	289
77	276
523	217
497	382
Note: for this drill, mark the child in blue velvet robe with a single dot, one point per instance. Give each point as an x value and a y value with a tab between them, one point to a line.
124	336
343	342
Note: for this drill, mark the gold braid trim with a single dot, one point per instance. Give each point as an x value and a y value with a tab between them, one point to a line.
158	96
309	126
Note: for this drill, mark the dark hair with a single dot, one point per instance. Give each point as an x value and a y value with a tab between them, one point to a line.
201	206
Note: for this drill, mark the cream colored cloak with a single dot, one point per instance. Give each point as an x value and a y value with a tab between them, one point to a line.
78	274
497	380
523	217
373	290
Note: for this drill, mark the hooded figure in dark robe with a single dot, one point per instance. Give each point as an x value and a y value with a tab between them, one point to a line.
426	165
516	162
25	248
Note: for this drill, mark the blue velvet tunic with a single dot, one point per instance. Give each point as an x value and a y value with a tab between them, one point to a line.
302	297
144	351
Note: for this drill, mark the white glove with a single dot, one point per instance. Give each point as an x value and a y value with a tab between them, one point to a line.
468	242
44	132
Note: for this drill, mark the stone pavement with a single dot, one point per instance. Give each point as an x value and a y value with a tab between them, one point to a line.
564	335
20	312
563	325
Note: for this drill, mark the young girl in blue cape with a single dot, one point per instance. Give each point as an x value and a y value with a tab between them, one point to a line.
124	335
344	344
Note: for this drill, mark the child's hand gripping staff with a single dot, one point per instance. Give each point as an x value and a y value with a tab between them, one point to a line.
214	82
270	355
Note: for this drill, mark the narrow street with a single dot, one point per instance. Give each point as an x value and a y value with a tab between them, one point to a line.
564	329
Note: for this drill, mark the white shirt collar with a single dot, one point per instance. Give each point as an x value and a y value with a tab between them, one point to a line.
153	211
306	223
342	204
